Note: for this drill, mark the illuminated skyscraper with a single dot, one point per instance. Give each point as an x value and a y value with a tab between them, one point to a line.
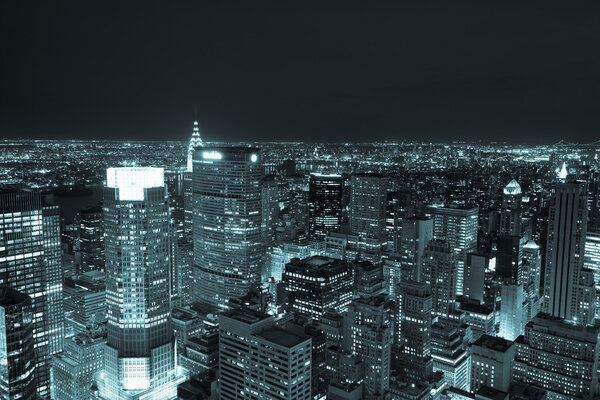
592	260
324	204
30	262
369	324
17	369
416	233
139	356
458	226
195	142
440	272
414	309
368	203
568	292
512	207
228	248
317	283
91	239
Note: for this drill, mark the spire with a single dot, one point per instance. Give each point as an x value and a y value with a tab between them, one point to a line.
513	187
195	141
563	172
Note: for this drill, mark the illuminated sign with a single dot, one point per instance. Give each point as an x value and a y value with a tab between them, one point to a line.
212	155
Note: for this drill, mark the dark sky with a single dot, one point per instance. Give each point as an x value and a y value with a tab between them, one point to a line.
435	70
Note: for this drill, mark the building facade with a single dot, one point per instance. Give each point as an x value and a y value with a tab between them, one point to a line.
139	359
228	248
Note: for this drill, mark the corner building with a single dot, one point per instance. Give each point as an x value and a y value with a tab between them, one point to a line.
228	248
139	356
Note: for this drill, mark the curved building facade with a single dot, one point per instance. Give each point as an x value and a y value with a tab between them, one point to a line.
228	248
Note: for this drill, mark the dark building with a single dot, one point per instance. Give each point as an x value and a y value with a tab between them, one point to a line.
91	239
569	290
17	371
324	204
512	208
317	283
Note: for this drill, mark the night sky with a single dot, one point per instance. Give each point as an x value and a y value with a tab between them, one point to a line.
340	71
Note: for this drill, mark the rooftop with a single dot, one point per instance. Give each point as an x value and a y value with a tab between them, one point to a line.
493	343
246	315
283	337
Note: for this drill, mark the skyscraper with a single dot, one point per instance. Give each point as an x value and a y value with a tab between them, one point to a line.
195	142
440	271
91	239
368	201
512	208
30	262
414	308
458	226
261	361
369	323
416	233
317	283
17	369
511	311
491	363
139	356
559	357
228	248
565	286
324	204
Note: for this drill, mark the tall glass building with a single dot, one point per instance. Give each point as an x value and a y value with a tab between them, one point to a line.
458	226
228	248
17	369
324	204
30	262
139	359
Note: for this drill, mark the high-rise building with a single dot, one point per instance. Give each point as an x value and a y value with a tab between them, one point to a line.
512	312
261	361
84	302
368	197
416	233
440	272
479	317
228	248
30	262
568	292
17	369
512	209
449	340
139	359
91	239
75	369
369	325
592	260
317	283
509	255
458	226
324	204
195	143
558	357
491	363
475	269
414	308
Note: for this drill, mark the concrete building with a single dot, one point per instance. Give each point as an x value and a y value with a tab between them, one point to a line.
259	360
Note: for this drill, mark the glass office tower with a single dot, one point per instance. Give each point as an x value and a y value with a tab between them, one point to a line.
30	262
228	248
139	356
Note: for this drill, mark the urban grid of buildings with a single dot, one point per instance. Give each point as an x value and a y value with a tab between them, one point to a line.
299	271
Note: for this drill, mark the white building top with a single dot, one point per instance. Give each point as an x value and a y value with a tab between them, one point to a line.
131	181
